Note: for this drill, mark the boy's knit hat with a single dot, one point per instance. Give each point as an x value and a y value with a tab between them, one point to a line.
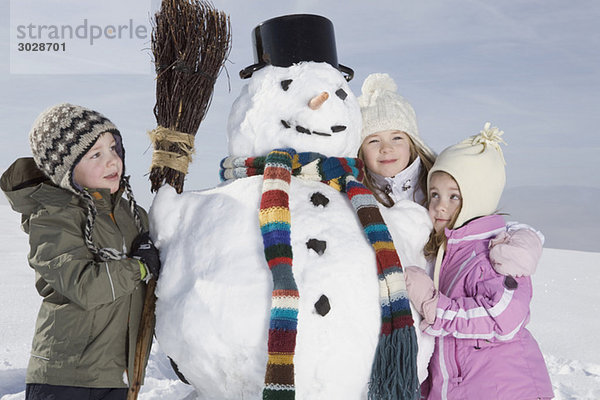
477	166
383	109
60	137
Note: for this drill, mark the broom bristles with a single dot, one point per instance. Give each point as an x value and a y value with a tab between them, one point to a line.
190	43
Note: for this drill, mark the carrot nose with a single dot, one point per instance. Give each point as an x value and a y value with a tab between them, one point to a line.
316	102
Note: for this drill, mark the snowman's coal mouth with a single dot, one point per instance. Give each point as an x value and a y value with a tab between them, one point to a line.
301	129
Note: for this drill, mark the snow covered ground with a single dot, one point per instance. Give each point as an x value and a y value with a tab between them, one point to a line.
565	305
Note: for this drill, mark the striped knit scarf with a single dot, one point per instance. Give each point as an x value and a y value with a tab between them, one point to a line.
394	370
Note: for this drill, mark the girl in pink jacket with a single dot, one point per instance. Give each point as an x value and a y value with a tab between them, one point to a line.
478	315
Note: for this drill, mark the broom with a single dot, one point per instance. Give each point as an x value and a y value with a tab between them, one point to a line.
190	43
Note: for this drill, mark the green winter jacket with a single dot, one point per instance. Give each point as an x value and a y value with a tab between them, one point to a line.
88	322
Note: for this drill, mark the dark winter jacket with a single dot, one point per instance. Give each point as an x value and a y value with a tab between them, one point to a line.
87	325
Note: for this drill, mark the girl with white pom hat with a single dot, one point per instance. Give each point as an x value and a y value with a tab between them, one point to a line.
396	159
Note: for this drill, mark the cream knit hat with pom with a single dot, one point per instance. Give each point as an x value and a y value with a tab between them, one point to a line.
383	109
477	166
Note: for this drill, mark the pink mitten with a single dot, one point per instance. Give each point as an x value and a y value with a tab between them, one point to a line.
515	253
421	292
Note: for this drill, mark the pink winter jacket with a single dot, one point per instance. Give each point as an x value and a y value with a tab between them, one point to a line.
482	349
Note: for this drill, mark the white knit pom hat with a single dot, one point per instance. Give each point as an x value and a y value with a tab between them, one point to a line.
477	166
383	109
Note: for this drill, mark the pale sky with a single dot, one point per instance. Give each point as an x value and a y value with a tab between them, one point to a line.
532	68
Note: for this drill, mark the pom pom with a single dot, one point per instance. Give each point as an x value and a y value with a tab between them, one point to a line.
489	136
378	82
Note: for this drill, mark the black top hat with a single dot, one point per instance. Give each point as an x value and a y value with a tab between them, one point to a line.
290	39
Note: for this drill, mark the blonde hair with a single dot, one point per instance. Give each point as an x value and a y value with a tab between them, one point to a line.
437	239
426	163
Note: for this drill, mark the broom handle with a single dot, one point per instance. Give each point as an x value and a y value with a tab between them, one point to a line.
144	340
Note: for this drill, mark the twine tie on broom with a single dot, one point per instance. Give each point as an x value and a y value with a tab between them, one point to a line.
175	160
394	370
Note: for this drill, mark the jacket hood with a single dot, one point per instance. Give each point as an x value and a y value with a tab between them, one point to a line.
28	188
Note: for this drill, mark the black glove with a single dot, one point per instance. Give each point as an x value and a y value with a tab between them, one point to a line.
143	249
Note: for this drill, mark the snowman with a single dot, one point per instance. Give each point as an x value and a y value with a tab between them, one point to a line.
214	305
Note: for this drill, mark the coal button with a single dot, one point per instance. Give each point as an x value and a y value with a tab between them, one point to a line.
322	305
319	199
317	245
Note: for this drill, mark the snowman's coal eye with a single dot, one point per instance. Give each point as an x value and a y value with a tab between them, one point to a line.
341	93
286	84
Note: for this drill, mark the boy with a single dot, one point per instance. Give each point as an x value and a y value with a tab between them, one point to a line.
90	249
